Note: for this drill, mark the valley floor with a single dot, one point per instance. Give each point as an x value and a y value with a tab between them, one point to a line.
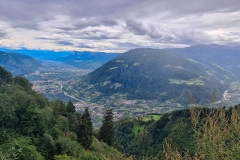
59	81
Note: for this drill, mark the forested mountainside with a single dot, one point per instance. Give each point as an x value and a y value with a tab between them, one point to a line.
32	128
19	64
157	74
196	133
221	61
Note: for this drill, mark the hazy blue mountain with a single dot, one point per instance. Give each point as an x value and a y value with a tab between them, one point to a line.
83	60
156	74
39	54
19	64
87	60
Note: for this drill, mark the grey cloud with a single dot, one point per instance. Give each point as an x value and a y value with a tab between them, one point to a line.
93	34
89	22
43	10
136	27
235	33
65	43
83	45
45	38
94	21
3	34
153	32
25	25
128	45
174	8
124	14
192	37
18	13
97	36
161	34
25	13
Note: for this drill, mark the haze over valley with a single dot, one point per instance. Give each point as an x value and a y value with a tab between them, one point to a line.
137	82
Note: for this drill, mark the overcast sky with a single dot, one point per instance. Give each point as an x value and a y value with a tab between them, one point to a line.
117	25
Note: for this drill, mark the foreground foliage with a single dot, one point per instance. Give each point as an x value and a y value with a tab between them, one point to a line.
146	138
216	132
196	133
32	128
106	130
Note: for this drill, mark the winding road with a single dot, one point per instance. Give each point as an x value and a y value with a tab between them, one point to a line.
66	94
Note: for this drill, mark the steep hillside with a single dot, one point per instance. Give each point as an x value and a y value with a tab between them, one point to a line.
150	136
18	64
88	60
33	128
155	74
202	133
221	61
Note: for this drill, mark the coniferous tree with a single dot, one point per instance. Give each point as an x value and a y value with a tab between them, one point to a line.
106	130
70	107
22	81
5	76
85	130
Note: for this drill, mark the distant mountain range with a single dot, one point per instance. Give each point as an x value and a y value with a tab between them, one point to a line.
144	73
19	64
222	61
39	54
169	74
87	60
83	60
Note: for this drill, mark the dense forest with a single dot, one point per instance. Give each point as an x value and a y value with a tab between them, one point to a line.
195	133
33	128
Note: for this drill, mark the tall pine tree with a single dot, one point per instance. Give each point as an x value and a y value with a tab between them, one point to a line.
70	107
106	130
85	130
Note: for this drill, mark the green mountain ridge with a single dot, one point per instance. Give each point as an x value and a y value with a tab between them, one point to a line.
221	61
156	74
19	64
